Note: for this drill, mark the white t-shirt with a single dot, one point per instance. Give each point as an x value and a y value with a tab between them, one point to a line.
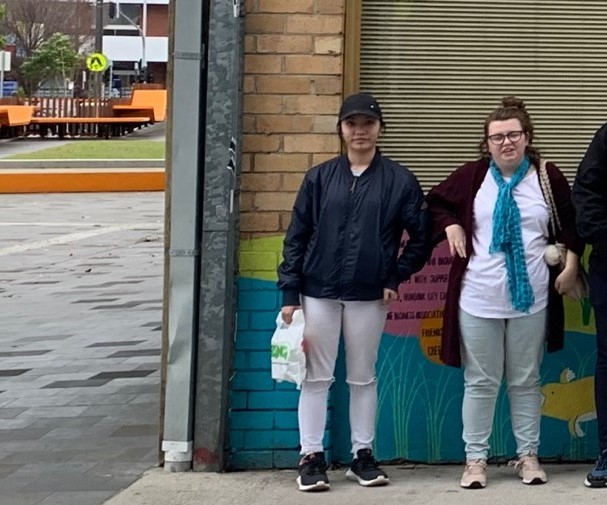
485	290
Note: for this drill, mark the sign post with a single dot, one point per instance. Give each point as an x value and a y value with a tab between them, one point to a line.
97	63
5	66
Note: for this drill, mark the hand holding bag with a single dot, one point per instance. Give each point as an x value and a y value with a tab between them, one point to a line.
556	253
288	357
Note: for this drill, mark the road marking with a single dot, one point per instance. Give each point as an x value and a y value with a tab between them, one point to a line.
74	224
74	237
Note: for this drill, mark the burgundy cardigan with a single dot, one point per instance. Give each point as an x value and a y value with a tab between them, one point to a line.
452	202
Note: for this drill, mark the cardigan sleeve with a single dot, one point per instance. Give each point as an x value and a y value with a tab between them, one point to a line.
447	201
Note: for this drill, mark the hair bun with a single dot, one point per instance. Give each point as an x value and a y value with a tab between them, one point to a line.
514	102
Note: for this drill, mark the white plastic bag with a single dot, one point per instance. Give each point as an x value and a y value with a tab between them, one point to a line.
288	357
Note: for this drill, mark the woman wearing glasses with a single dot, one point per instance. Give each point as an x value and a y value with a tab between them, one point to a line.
503	302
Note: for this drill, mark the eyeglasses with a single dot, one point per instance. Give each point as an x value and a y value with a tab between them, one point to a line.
499	138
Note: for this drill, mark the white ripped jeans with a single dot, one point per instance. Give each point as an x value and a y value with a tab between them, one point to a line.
362	323
490	348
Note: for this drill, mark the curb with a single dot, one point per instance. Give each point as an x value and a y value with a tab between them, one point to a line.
91	163
71	180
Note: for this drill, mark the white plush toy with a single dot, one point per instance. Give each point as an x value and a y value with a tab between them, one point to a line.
552	256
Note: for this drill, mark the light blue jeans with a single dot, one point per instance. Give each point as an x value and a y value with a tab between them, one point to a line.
490	348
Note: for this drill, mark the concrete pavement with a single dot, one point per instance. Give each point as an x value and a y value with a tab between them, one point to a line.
24	145
80	316
410	485
80	340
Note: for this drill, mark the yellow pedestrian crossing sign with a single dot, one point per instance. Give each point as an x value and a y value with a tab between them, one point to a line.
97	62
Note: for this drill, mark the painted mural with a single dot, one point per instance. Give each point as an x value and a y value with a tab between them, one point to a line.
420	398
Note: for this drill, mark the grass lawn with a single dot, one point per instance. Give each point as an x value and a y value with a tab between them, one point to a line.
98	149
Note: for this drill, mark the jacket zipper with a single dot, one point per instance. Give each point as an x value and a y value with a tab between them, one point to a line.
347	234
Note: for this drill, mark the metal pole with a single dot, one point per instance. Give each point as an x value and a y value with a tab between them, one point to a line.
185	216
1	74
99	26
144	64
168	190
217	309
111	78
98	43
144	31
141	28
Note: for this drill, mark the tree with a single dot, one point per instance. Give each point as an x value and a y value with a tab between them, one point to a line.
2	37
54	58
31	22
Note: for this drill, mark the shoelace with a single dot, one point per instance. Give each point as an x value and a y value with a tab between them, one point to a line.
530	463
476	466
601	462
315	466
368	463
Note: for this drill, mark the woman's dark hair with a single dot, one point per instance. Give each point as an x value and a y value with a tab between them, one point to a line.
511	108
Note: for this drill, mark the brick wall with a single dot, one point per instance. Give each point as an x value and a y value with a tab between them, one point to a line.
158	21
157	72
263	414
292	90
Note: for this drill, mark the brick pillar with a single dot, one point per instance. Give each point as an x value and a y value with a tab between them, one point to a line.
292	91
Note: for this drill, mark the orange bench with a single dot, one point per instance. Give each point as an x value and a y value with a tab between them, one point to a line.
16	115
144	102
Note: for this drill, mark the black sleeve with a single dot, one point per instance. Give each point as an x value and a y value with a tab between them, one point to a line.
295	245
564	207
416	221
589	193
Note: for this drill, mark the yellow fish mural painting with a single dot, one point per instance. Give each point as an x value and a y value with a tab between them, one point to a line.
570	400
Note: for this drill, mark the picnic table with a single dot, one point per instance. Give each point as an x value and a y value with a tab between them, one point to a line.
63	116
16	115
144	102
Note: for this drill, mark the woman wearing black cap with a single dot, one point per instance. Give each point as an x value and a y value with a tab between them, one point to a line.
342	266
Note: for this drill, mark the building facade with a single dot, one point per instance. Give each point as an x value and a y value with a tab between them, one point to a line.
141	23
437	68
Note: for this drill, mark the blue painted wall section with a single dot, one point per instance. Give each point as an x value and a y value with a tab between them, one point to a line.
419	399
263	428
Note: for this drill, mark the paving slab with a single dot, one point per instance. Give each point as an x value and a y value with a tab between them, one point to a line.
79	380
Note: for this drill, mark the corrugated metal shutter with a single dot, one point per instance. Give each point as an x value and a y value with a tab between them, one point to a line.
439	67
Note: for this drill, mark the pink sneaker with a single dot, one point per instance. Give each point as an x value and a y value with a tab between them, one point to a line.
475	474
529	469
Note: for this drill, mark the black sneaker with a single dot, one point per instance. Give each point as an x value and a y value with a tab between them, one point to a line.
365	470
313	473
597	477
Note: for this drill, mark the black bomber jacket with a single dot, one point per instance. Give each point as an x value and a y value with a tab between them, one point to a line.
345	232
589	196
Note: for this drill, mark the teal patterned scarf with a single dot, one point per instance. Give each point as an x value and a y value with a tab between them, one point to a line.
508	238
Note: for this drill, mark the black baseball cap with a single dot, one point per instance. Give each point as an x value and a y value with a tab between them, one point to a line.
360	103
